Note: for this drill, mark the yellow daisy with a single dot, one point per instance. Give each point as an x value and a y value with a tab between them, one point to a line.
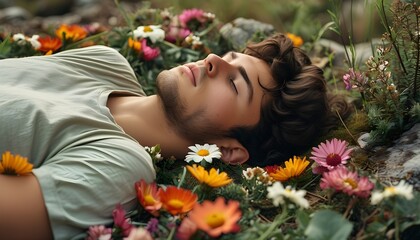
212	178
294	167
14	164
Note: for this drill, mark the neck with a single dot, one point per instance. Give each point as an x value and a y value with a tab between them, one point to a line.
144	119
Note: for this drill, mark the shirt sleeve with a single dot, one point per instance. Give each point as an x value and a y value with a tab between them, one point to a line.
83	184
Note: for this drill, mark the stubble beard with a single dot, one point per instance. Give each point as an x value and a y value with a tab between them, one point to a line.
193	126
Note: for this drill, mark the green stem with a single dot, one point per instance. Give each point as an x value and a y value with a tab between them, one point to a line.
397	225
171	233
181	181
277	221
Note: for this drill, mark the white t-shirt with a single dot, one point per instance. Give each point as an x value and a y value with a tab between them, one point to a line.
53	111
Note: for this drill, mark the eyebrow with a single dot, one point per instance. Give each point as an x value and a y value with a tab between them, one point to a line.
244	74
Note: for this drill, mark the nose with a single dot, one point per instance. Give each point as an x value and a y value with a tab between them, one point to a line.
215	65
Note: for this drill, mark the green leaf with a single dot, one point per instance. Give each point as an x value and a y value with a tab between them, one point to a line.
328	224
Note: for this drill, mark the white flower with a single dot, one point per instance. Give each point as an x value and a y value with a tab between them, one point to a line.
203	152
34	42
402	189
278	193
193	40
153	32
18	37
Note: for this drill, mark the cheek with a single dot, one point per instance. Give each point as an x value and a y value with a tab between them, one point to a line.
222	108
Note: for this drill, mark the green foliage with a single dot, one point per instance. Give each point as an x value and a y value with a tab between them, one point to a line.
328	225
389	81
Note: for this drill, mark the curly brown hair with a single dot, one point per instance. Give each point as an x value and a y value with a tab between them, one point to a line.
300	110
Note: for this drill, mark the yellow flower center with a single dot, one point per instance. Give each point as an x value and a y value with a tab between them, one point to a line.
175	203
215	220
351	182
148	29
391	190
149	200
203	152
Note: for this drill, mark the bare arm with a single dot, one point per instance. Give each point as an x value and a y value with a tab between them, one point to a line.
22	210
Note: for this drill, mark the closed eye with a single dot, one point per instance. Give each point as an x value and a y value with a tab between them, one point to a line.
233	85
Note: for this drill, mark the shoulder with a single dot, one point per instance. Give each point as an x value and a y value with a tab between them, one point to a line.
96	52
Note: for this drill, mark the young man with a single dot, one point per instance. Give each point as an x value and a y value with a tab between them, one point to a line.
82	120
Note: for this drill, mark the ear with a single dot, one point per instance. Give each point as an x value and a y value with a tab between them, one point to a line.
233	152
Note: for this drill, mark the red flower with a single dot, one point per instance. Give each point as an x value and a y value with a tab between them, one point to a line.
49	43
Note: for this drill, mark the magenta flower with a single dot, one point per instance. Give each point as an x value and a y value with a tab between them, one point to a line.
149	53
120	221
99	232
191	14
330	155
342	180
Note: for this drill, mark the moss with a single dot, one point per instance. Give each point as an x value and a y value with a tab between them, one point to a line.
356	124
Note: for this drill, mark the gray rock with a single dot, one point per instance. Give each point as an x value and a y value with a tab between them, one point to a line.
363	51
241	30
402	160
13	14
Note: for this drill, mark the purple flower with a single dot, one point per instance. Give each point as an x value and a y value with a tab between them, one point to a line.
153	225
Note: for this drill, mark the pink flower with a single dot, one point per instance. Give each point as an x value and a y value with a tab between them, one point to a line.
353	79
149	53
176	33
331	154
347	82
139	234
99	232
186	229
120	221
191	14
342	180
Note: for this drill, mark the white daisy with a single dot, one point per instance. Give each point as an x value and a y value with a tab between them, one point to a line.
153	32
278	193
402	189
18	37
203	152
34	42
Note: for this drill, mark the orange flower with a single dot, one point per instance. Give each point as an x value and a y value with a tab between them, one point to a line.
177	200
216	217
49	44
136	45
297	41
212	178
148	195
14	164
294	167
72	32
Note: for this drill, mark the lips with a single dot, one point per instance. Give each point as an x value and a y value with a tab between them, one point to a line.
189	73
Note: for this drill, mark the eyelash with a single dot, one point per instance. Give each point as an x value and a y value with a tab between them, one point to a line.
233	84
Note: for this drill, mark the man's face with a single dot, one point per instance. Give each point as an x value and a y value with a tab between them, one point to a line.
211	96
